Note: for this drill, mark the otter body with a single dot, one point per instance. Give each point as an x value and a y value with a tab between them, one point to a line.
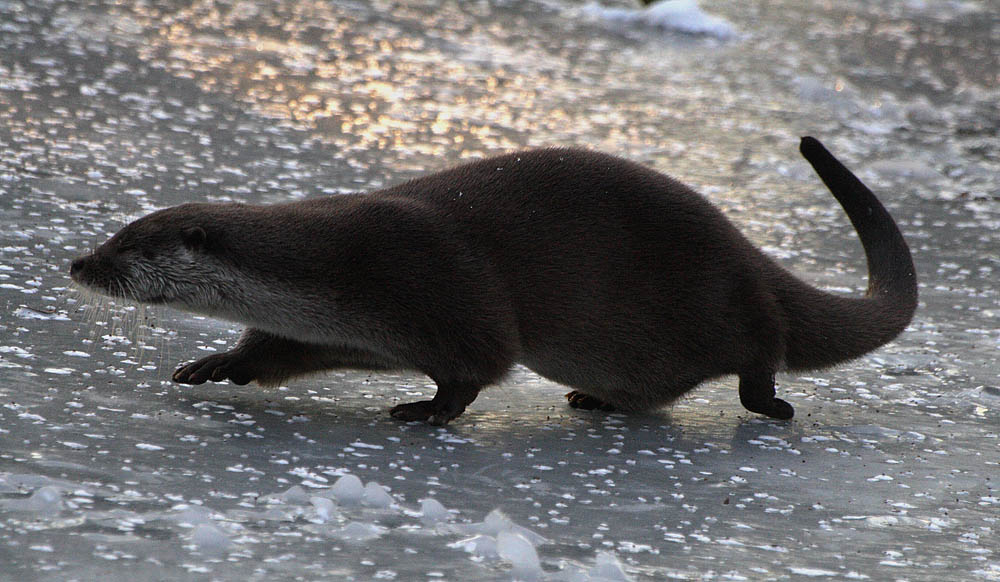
593	271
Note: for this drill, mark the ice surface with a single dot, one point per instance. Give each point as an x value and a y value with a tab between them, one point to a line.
679	15
110	471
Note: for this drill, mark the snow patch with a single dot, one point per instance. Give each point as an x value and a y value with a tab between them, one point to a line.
676	15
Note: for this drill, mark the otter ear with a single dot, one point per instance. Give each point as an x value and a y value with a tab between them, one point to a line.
194	238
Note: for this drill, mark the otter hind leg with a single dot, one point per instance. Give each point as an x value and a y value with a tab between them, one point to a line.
449	402
757	394
582	401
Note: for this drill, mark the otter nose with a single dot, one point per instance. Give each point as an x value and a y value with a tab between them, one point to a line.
77	266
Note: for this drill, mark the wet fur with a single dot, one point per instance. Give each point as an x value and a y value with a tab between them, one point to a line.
593	271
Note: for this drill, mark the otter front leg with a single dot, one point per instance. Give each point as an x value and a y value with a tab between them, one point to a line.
258	355
270	360
449	402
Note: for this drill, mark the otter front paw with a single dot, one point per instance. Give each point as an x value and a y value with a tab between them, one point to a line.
217	367
432	412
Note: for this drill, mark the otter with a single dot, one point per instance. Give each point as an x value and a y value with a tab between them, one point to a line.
593	271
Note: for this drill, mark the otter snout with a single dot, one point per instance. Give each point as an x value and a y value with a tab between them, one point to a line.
77	267
91	271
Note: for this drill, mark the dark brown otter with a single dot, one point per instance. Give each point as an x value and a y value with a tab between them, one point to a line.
593	271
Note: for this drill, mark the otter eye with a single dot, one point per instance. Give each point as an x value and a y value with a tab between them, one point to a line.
148	254
194	238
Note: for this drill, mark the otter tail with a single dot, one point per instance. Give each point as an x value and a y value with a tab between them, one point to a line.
825	329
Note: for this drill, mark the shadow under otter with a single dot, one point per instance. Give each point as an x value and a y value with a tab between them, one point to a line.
593	271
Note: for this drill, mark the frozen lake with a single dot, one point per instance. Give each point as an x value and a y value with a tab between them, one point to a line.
889	471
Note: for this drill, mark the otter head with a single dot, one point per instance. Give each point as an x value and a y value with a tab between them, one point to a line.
163	258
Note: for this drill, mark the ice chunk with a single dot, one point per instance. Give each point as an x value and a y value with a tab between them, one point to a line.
348	490
295	495
358	531
323	507
191	515
812	572
679	15
210	540
609	568
572	573
480	546
376	495
46	501
431	512
516	549
280	514
496	522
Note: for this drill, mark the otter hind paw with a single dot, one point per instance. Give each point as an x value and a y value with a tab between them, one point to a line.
582	401
426	411
775	408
